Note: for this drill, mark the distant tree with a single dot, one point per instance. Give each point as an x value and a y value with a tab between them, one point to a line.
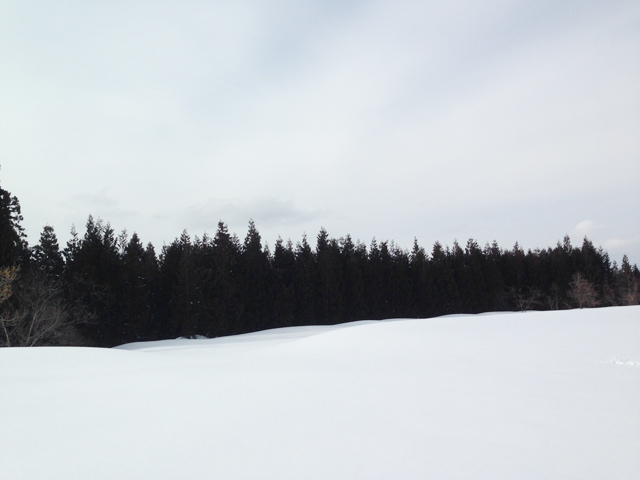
496	298
355	264
253	278
525	298
582	293
139	273
46	254
306	281
628	288
398	288
330	272
13	243
421	281
226	307
169	272
93	277
8	277
595	266
476	286
39	315
553	298
446	295
374	281
185	293
283	292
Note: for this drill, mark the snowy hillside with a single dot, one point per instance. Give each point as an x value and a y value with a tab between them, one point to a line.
553	395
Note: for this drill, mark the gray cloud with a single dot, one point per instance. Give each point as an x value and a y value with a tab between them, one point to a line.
98	204
266	212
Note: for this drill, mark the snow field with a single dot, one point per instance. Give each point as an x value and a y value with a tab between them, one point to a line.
492	396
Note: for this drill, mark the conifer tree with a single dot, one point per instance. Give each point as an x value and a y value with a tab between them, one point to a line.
254	281
330	272
355	258
138	276
445	289
628	283
283	292
306	283
46	254
420	284
184	299
226	308
93	277
13	243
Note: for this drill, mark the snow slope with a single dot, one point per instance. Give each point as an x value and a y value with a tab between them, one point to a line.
550	395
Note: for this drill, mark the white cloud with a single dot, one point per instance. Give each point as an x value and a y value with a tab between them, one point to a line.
586	227
618	243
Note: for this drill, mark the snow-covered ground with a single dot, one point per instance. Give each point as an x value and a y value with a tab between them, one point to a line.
553	395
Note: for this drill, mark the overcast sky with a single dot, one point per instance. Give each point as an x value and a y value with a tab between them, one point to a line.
441	120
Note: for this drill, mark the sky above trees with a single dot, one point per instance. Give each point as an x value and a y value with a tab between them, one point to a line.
505	120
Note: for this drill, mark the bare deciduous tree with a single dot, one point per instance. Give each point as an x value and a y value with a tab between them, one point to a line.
8	276
553	300
40	317
525	299
582	292
629	291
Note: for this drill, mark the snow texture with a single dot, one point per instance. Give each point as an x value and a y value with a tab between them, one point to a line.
510	396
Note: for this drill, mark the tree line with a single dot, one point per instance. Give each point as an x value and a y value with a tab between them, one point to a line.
105	289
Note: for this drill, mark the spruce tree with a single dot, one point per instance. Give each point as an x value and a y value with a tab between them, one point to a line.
226	308
330	271
253	282
306	283
93	277
354	259
282	288
138	275
46	254
13	243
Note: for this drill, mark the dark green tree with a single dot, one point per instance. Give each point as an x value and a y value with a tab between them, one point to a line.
354	261
330	271
93	277
307	284
283	290
46	254
254	278
13	243
139	276
226	308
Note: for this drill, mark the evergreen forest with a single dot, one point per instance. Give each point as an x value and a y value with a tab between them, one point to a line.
105	289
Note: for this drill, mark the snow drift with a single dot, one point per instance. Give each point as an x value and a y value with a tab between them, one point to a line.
492	396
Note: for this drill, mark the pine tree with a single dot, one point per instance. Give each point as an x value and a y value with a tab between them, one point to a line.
306	284
253	282
93	277
354	259
184	298
445	289
226	308
283	293
13	243
47	256
330	271
139	272
628	283
419	280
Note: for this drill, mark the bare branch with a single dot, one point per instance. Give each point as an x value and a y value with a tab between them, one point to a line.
582	293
